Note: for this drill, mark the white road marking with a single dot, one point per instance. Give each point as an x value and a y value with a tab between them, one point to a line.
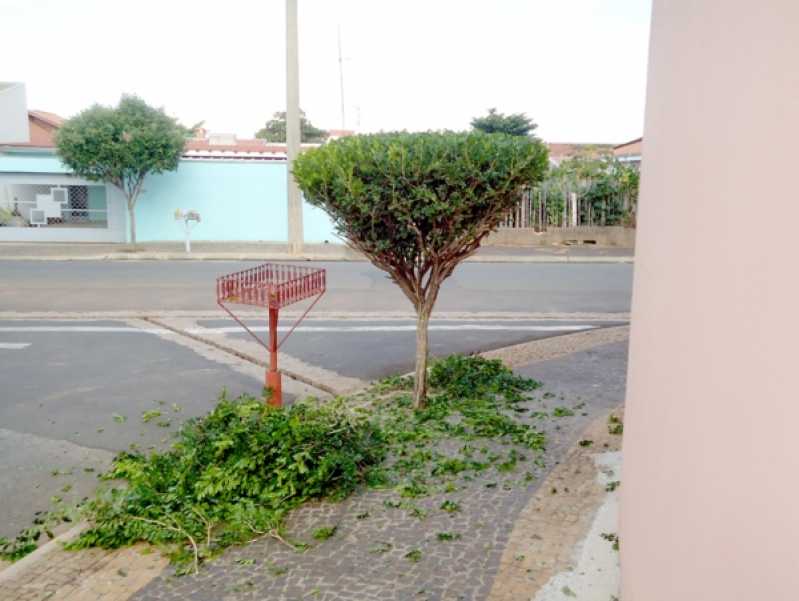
81	329
14	346
234	329
404	328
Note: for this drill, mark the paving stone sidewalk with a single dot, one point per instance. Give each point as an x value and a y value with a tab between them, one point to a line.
384	552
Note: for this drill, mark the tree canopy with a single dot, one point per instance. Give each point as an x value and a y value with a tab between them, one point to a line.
517	124
275	130
416	204
122	145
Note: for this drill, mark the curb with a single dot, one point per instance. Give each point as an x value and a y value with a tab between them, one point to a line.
538	530
26	562
309	257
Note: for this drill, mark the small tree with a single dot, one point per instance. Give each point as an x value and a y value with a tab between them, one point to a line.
418	204
122	145
275	130
517	124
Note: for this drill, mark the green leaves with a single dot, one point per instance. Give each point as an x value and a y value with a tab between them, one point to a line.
418	204
415	195
275	130
232	474
325	532
237	472
121	145
471	377
517	124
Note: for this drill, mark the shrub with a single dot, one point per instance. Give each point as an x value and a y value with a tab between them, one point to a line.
418	204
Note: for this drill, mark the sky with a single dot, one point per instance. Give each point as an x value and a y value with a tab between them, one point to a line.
576	67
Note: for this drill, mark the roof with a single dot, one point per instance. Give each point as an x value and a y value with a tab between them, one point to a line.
44	124
246	145
49	118
630	143
42	127
632	148
247	149
340	133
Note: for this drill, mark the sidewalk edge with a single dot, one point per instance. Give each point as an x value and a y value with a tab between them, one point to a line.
33	558
307	257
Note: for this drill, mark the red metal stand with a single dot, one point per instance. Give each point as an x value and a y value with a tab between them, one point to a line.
273	286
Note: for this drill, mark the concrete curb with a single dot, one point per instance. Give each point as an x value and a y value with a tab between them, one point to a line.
31	559
146	256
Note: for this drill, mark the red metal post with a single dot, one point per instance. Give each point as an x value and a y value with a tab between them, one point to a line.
273	380
273	286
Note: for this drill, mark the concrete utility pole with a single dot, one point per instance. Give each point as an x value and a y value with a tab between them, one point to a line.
709	493
293	127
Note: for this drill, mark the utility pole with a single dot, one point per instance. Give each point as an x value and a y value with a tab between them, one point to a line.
295	232
341	80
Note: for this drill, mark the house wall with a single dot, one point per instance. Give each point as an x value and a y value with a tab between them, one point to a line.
237	201
709	483
31	162
41	134
317	226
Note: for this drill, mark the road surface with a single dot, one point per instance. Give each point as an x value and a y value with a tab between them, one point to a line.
79	366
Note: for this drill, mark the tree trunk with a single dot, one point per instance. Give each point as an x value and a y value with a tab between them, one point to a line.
420	381
132	218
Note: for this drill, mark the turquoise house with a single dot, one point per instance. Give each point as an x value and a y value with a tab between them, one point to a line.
237	186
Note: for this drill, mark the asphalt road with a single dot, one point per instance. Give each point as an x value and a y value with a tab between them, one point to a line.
73	392
70	400
358	286
374	349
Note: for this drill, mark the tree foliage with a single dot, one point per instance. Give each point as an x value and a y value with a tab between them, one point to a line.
418	204
517	124
122	145
607	188
275	130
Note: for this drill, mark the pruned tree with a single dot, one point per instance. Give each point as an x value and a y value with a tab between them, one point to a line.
517	124
275	130
122	145
418	204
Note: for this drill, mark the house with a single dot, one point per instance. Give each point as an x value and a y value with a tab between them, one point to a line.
629	152
237	185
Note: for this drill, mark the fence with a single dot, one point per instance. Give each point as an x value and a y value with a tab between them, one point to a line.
546	206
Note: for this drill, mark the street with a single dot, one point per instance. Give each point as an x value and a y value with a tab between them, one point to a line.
87	348
89	286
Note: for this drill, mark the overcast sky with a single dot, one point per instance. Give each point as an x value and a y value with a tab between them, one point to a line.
577	67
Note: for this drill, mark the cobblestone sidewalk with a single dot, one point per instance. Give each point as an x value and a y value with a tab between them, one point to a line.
384	551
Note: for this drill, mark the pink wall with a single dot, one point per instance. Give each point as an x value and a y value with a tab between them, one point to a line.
710	493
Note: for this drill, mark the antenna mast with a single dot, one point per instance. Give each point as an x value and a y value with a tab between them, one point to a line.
341	80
